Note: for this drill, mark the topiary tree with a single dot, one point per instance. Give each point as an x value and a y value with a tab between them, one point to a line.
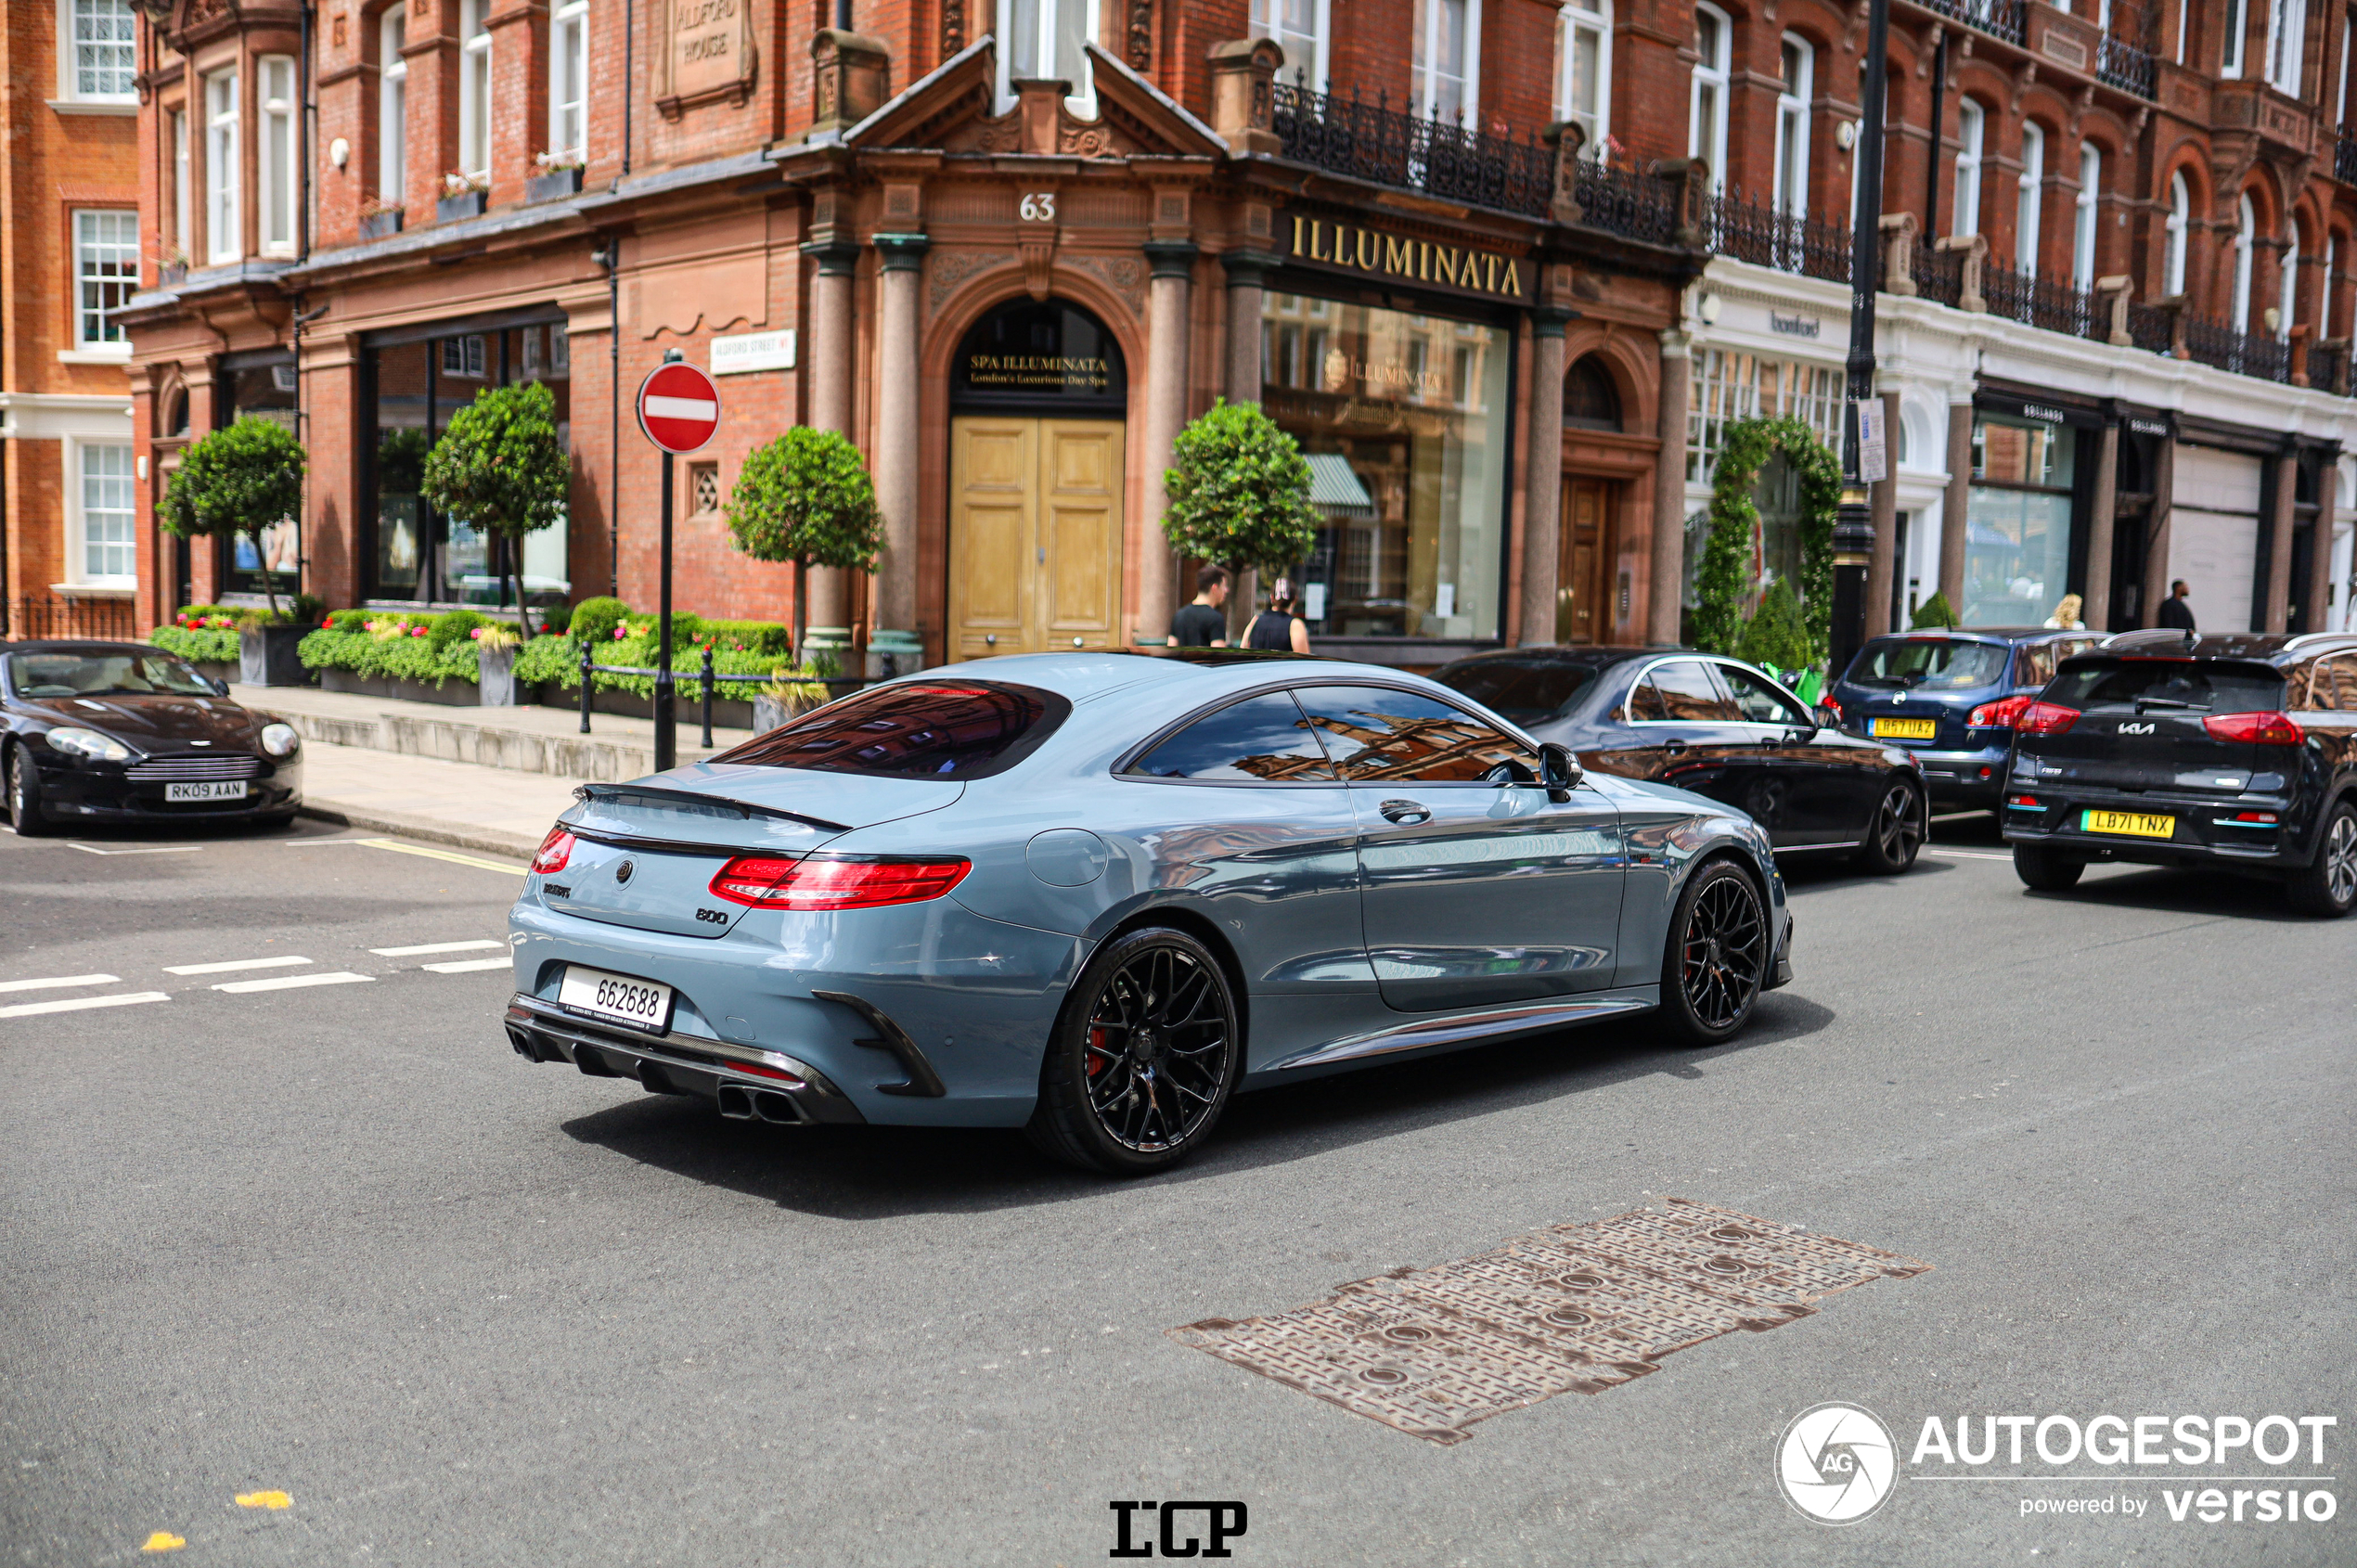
1776	637
500	467
239	480
593	620
1239	493
1933	611
805	497
1723	580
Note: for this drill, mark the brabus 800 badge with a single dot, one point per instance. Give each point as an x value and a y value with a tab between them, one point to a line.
1836	1463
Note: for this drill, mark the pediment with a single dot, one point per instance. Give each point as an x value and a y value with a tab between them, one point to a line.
953	109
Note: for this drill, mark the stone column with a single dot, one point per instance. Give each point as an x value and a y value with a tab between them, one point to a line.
902	257
1543	477
1881	565
2095	602
2320	549
829	407
1957	501
1247	270
1666	573
2157	533
2279	541
1173	262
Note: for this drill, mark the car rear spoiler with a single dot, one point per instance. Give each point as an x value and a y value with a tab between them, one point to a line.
659	796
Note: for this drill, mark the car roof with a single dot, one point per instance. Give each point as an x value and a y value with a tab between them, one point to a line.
2008	634
2274	647
1083	676
1557	653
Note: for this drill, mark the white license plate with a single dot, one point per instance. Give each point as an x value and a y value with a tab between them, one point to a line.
234	790
642	1004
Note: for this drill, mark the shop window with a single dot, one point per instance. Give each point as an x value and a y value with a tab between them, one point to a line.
1403	418
266	391
1729	385
103	59
1047	42
392	105
1299	27
2018	520
1707	124
1445	80
1591	401
224	240
1583	72
106	272
108	555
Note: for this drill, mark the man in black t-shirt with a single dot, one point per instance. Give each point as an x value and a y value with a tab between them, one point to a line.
1203	623
2174	611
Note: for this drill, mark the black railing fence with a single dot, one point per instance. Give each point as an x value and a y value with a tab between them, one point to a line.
1939	275
1751	231
2344	159
1440	158
2152	329
2128	67
32	617
1999	19
2245	353
2042	302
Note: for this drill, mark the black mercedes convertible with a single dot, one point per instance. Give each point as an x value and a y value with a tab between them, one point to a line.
117	732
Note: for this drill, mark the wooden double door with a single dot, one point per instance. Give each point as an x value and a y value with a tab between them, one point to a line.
1583	573
1035	534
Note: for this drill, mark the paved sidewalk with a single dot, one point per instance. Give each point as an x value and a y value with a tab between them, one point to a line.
500	811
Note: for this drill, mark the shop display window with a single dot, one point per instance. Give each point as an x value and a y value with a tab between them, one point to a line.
2017	521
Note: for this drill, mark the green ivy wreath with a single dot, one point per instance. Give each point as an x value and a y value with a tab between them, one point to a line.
1723	580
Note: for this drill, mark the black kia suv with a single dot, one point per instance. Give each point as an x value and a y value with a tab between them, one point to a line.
2163	748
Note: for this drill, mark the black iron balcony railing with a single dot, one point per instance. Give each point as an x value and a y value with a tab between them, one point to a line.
1939	275
2326	364
2244	354
1999	19
2128	67
2040	301
2152	329
2344	159
1748	231
1376	142
1627	202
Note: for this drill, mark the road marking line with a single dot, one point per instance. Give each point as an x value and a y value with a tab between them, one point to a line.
283	960
166	849
264	1500
516	870
164	1540
58	980
424	947
291	982
468	966
76	1004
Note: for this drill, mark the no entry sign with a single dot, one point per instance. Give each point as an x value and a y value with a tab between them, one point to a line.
679	407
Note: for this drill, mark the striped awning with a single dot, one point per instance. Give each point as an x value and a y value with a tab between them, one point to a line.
1334	488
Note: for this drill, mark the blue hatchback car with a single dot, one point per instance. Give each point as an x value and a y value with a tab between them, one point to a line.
1950	698
1094	894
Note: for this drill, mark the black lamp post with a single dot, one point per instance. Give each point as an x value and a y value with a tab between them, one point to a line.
1854	525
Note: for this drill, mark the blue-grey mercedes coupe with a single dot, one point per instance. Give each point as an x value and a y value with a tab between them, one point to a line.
1092	895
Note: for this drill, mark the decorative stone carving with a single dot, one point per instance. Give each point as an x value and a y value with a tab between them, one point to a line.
1566	136
1142	36
708	55
1126	276
953	27
849	72
951	270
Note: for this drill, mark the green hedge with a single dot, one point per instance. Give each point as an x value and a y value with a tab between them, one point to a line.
559	659
206	645
400	644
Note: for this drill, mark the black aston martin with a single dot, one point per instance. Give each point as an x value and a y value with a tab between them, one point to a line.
97	732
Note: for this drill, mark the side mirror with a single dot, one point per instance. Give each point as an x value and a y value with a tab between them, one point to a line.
1827	718
1558	770
219	686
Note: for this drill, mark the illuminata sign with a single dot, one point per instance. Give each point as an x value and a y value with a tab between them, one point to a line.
1399	258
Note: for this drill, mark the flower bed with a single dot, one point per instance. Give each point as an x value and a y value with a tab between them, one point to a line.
397	645
739	648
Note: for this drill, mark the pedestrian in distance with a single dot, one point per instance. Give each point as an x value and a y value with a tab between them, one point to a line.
1280	628
2174	611
1202	624
2066	615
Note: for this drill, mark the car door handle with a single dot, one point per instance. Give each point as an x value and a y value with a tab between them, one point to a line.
1407	813
1673	745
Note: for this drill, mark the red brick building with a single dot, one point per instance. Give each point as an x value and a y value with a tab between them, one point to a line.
70	258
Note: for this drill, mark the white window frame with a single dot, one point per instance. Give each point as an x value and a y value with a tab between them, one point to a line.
72	14
2286	45
184	233
2176	227
2087	210
224	237
2347	40
278	165
1972	131
1709	142
1791	193
1304	51
93	252
2287	287
79	513
392	105
2324	294
2246	232
1041	67
569	58
1425	76
474	89
1592	18
2029	204
2230	46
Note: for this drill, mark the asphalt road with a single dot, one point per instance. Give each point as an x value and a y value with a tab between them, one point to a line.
337	1241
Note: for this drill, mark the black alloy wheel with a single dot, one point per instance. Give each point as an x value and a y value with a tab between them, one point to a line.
1896	834
2047	870
1143	1060
24	796
1718	955
2328	886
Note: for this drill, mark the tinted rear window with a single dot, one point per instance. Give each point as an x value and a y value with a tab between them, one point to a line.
920	730
1264	738
2209	688
1932	665
1526	693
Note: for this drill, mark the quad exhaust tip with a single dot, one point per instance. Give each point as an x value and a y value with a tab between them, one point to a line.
739	1103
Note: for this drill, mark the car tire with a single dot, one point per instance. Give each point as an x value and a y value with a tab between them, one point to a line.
1895	834
22	781
2328	886
1718	955
1149	1026
2047	870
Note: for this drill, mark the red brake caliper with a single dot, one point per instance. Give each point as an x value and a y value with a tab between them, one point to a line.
1098	1055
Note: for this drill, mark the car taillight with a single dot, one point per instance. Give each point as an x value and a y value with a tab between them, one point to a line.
1828	703
763	881
555	850
2045	718
2002	714
2259	730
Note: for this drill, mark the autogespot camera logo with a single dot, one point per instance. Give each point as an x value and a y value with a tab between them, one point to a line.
1836	1462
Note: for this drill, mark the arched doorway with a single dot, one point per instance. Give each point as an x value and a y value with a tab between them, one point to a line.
1038	395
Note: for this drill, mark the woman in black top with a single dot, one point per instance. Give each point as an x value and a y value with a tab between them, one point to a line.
1280	628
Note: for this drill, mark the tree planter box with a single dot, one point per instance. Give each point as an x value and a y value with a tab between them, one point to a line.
266	656
553	185
216	669
498	685
467	204
380	225
450	694
727	712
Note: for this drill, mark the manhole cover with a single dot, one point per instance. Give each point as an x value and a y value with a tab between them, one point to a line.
1495	1332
